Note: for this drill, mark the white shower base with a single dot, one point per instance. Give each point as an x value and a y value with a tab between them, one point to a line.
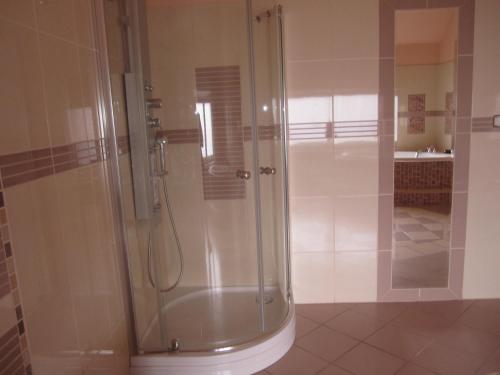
211	318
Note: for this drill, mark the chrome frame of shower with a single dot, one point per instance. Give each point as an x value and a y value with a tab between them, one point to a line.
255	159
284	141
107	126
107	123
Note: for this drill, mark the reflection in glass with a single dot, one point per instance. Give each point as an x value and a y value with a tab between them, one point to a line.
204	113
425	86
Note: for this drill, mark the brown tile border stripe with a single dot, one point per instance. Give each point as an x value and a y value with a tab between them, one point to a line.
387	12
483	125
14	356
182	136
185	136
27	166
405	114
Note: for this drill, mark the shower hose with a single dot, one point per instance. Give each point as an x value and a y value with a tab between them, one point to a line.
177	242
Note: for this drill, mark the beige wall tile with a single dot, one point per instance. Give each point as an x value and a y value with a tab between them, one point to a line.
63	90
313	277
89	79
355	276
355	29
486	86
22	11
57	17
481	253
23	124
312	224
84	23
308	30
356	166
356	223
7	314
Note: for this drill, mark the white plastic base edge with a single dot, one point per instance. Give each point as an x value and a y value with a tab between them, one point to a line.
246	361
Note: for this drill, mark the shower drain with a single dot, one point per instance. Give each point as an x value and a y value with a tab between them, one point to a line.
267	299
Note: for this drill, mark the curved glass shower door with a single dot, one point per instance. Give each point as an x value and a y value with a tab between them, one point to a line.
272	146
214	274
199	58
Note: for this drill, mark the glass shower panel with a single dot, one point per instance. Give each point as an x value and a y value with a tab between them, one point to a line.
269	91
199	57
138	231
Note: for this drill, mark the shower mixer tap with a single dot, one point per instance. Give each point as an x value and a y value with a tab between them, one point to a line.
154	103
154	123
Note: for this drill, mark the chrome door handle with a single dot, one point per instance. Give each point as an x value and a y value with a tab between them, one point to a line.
244	175
267	170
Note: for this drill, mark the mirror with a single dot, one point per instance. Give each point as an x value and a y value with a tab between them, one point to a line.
425	94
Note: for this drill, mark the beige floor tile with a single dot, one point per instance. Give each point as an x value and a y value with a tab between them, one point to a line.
448	361
481	318
383	311
412	369
424	323
303	326
367	360
401	342
321	313
334	370
491	366
326	343
297	362
450	310
355	324
471	340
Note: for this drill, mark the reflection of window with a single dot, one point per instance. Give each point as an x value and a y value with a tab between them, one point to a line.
204	112
355	107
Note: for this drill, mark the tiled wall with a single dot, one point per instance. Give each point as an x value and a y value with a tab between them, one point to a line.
332	78
334	183
482	255
65	302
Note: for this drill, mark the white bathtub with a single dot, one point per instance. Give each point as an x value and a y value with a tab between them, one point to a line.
412	155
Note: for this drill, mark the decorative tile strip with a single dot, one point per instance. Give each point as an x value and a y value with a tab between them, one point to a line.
27	166
483	124
182	136
219	110
416	108
14	357
405	114
265	132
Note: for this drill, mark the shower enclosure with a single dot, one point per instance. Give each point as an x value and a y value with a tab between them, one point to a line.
198	106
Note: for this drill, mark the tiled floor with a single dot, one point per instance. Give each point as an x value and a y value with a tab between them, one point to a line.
426	338
421	244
